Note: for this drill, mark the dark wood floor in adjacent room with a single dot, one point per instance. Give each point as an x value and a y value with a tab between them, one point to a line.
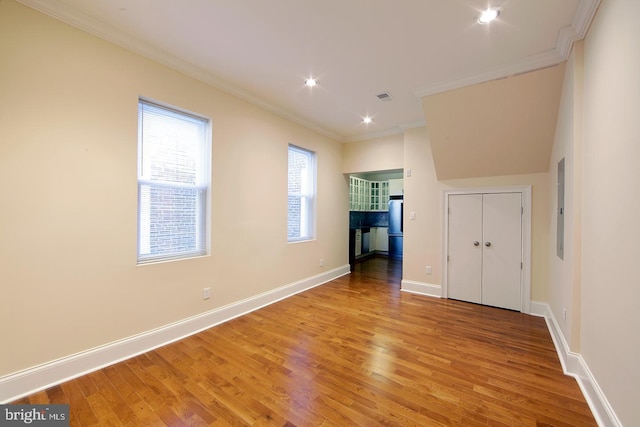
353	352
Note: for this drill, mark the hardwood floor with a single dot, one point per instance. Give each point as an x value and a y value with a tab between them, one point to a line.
355	351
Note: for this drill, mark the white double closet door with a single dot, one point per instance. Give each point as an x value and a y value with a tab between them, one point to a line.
484	263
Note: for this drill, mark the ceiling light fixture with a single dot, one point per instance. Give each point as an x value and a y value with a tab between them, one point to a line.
310	82
488	15
366	120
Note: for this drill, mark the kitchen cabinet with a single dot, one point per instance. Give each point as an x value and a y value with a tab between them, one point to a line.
365	195
356	193
366	241
379	196
373	232
381	239
396	187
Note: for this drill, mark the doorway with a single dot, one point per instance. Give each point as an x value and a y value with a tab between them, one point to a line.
487	247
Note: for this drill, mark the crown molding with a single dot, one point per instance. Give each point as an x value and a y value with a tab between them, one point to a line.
62	12
396	130
583	16
534	62
412	125
585	12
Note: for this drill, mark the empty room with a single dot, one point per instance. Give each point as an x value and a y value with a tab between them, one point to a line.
420	212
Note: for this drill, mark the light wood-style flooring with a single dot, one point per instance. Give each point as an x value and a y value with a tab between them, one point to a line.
353	352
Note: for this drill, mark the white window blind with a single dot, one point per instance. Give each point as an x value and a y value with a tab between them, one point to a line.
301	189
173	183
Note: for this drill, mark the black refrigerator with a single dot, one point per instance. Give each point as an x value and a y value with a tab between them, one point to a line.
395	227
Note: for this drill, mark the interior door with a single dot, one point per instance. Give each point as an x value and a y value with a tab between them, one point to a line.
502	250
465	247
485	249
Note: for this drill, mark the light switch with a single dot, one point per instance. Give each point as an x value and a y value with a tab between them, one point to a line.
412	215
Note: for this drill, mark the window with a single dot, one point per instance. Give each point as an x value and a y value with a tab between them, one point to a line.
302	190
173	183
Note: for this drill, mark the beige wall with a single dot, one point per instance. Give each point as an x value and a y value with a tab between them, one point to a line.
610	340
68	118
378	154
539	221
423	194
68	275
514	117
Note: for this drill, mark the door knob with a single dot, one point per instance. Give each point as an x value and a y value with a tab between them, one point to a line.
487	244
476	243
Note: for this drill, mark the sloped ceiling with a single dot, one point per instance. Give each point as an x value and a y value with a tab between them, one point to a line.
502	127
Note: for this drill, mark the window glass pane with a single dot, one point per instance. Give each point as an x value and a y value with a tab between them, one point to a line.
301	190
172	184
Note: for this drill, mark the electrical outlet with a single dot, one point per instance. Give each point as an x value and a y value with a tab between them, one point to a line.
428	269
321	262
206	293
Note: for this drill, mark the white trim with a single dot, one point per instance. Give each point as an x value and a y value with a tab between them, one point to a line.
399	129
421	288
585	12
525	191
395	130
539	61
574	365
67	14
29	381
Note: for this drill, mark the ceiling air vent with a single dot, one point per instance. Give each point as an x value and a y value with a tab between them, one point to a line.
384	96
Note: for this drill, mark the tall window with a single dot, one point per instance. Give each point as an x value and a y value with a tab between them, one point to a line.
173	183
302	190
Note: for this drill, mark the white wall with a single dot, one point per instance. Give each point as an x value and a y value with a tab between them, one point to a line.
610	339
68	119
564	274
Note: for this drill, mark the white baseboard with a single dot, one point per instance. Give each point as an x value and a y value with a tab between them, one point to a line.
574	365
29	381
421	288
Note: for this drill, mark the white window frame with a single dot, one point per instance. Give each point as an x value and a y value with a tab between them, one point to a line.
307	197
202	185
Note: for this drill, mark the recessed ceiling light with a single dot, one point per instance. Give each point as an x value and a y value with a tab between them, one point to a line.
310	82
366	120
488	15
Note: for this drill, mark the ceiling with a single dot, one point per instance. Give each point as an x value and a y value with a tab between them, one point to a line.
262	51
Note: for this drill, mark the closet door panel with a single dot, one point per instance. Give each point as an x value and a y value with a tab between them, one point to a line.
465	247
502	250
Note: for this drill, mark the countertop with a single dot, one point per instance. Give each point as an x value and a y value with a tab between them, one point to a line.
358	219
